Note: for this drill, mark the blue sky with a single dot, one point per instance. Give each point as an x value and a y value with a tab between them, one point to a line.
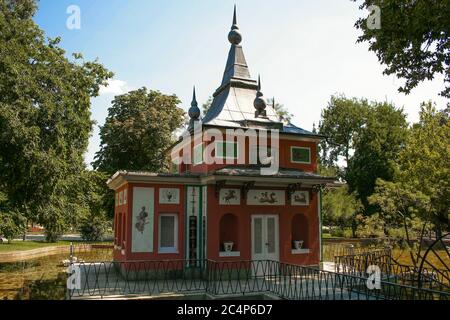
304	50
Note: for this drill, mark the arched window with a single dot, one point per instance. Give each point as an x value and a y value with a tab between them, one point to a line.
300	231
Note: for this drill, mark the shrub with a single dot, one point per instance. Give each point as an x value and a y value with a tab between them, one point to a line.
93	228
11	225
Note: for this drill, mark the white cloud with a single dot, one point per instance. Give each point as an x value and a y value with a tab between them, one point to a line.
115	87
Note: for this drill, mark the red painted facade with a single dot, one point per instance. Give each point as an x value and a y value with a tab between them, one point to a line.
229	222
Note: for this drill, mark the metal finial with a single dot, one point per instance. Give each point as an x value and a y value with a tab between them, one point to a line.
194	111
194	99
259	103
234	36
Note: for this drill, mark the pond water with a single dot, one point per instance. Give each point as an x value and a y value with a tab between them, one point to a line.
45	278
41	278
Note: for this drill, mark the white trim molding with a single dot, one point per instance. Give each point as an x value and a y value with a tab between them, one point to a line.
300	162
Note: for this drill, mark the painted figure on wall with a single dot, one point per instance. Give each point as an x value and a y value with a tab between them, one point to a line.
142	220
230	195
266	198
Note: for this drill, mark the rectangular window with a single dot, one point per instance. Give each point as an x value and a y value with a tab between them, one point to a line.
198	154
227	150
300	155
168	233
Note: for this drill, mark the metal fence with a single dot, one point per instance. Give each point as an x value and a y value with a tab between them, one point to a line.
222	279
392	271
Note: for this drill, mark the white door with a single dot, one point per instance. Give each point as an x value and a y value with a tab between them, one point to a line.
265	240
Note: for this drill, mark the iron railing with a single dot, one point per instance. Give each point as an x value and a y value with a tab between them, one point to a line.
222	279
392	271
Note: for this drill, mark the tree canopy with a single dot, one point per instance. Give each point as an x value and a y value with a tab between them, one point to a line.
422	177
44	115
138	131
341	121
413	40
376	147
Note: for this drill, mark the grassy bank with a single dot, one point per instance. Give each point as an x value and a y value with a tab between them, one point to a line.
29	245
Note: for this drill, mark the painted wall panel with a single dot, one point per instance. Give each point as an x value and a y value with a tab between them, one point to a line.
266	198
143	220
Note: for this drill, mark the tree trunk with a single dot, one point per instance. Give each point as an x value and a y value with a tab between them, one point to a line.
354	226
25	231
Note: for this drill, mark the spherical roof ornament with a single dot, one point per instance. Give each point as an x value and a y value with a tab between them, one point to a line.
194	111
260	103
234	36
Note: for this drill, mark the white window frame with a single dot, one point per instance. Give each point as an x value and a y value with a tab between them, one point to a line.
304	148
222	142
168	249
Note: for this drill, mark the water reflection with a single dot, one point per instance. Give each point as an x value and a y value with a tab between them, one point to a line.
41	278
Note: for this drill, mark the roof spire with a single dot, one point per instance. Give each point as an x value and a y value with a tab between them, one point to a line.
194	98
234	36
234	19
194	111
260	102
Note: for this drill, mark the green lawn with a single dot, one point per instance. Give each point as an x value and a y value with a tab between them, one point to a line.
29	245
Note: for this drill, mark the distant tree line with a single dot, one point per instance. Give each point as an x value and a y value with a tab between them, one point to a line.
395	174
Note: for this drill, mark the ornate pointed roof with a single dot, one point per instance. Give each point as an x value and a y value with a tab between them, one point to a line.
234	101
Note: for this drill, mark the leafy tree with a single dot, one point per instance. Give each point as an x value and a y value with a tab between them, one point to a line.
207	105
340	122
93	228
413	41
340	208
282	112
138	131
95	196
12	223
376	147
425	161
403	211
44	115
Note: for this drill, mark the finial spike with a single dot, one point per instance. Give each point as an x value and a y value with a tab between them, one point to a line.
194	99
194	111
259	82
234	36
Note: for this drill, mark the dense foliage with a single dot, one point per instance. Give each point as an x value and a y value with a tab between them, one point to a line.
413	40
421	187
44	118
137	132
